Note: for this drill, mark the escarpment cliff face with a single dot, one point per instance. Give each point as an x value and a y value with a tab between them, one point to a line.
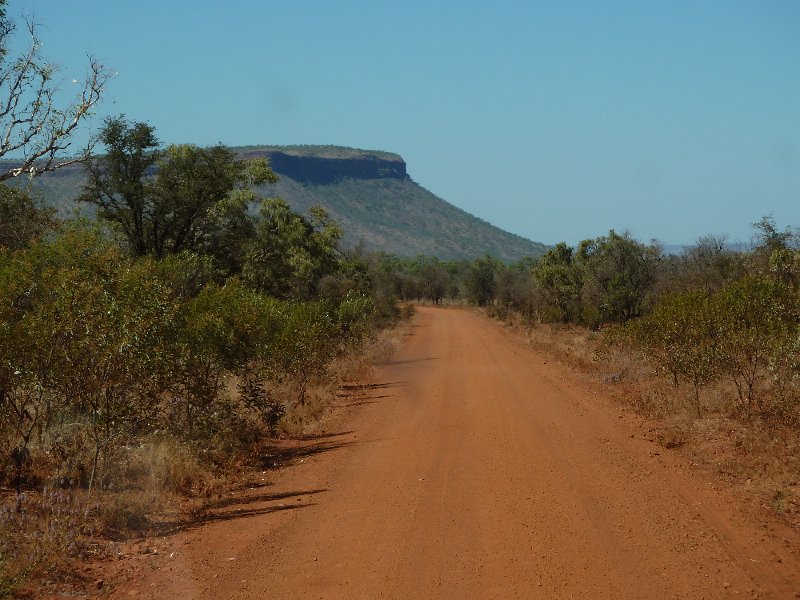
322	170
368	192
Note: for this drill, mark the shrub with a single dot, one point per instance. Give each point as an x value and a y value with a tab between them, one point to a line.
758	320
680	335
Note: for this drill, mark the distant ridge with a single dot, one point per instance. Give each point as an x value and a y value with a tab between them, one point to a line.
369	192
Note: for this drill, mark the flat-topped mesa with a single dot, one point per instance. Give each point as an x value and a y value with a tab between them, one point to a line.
318	167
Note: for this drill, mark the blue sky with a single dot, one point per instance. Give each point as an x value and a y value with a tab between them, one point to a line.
553	120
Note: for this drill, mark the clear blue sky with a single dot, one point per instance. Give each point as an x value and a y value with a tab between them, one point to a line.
553	120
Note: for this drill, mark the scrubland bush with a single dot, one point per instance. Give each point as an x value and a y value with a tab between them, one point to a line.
746	333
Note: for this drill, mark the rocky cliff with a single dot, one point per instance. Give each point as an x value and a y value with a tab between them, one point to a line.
320	169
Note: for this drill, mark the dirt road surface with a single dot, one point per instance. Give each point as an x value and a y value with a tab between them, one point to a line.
476	468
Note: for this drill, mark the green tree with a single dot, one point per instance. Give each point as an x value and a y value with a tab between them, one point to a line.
619	274
290	253
307	343
352	275
481	282
515	288
681	336
120	181
758	321
561	280
433	278
197	194
21	220
223	330
183	198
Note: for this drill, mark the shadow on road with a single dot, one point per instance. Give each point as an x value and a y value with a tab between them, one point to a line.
239	500
227	509
390	362
358	393
276	456
238	506
373	386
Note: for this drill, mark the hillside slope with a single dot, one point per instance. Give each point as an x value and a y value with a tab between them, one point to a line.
378	204
368	192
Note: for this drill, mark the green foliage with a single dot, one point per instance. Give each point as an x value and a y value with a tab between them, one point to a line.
352	275
119	183
90	335
97	347
21	220
183	198
221	331
256	396
306	344
480	282
355	317
561	279
619	274
290	254
760	320
187	273
681	336
744	332
434	278
197	193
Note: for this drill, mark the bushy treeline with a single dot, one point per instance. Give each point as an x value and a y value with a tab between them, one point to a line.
731	316
711	313
97	348
609	279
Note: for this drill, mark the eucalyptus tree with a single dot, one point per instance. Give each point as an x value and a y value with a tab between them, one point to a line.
181	198
290	253
619	274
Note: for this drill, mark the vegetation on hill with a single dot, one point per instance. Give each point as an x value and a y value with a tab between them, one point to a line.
400	217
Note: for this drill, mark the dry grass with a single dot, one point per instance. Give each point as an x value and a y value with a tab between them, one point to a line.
45	532
42	534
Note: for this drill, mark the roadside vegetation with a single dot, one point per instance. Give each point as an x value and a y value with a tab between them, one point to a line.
145	354
701	318
705	344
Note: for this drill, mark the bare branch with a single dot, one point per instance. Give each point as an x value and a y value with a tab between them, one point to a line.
30	121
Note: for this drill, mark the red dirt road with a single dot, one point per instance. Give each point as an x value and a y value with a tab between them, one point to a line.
476	468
